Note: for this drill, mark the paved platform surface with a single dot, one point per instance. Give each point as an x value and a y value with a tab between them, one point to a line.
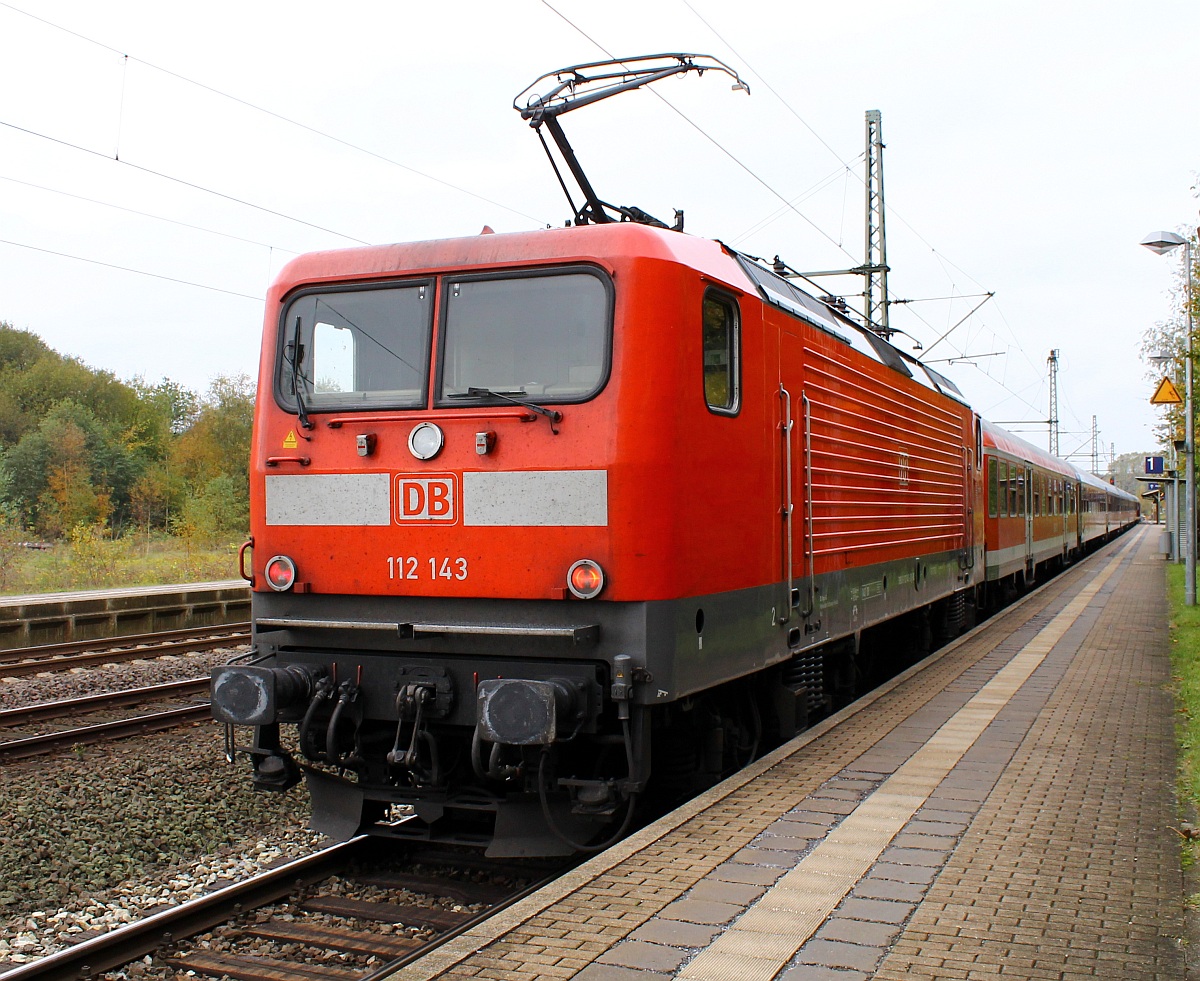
1003	809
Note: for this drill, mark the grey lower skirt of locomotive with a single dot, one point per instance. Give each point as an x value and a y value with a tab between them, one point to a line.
542	754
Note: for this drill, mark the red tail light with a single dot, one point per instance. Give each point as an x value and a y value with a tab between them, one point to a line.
585	579
280	573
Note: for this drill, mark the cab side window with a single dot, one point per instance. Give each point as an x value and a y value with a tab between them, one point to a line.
722	353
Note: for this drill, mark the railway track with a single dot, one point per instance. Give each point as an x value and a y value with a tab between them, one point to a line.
62	657
24	746
292	907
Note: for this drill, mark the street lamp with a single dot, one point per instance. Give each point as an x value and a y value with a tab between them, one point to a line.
1162	243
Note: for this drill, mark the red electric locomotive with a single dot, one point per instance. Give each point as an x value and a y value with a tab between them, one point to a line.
544	523
538	515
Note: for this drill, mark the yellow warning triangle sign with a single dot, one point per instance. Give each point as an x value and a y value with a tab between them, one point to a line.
289	441
1165	394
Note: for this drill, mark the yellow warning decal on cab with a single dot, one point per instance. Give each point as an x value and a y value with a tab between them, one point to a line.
289	441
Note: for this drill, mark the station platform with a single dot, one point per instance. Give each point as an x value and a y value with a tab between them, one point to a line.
51	618
1002	809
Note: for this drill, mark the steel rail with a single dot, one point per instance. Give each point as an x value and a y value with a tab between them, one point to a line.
27	746
12	667
128	943
105	643
91	703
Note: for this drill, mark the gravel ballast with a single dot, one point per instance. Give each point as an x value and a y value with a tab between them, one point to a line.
101	836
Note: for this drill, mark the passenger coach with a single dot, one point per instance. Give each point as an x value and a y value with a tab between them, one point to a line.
1042	512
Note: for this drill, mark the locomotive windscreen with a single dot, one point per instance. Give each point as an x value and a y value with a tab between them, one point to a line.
545	336
356	347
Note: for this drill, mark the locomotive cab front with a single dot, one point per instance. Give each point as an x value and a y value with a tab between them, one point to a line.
461	597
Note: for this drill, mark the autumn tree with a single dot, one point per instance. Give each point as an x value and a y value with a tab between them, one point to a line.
70	499
68	470
79	448
213	457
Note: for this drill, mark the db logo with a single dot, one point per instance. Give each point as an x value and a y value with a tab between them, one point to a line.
427	498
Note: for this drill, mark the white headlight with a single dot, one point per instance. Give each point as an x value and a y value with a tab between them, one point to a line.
426	441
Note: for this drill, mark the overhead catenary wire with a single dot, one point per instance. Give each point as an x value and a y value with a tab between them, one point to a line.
844	170
268	112
147	214
130	269
699	129
939	256
787	105
893	214
778	213
179	180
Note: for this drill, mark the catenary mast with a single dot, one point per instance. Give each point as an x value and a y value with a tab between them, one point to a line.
875	267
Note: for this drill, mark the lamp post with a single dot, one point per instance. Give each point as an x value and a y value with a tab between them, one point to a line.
1162	243
1170	485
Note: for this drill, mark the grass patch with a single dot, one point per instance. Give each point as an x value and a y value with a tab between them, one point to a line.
1185	677
88	561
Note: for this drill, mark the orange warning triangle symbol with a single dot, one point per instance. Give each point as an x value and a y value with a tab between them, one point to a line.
1165	394
289	441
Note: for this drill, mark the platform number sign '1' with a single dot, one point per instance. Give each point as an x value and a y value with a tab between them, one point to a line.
1154	464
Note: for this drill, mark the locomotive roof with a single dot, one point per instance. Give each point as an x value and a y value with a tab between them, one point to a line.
783	293
599	243
596	243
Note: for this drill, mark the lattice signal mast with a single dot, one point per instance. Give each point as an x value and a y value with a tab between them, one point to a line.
875	268
1052	361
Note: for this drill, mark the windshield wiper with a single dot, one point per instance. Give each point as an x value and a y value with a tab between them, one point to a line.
297	378
553	415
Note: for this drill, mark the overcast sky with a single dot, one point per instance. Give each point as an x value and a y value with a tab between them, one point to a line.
1030	147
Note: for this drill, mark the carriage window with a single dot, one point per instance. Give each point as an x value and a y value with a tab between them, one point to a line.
993	486
1002	497
345	349
721	340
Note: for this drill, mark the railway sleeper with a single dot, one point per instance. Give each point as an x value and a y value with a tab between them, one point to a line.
253	967
351	942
